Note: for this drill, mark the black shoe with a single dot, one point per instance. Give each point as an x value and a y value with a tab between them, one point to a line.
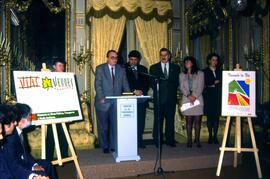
189	144
106	150
172	144
112	150
142	146
198	143
215	141
210	141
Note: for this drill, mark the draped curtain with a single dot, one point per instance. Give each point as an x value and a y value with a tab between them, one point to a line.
106	33
266	59
146	6
152	36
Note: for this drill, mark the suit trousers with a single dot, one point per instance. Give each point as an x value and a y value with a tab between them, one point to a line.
167	112
50	145
106	125
141	107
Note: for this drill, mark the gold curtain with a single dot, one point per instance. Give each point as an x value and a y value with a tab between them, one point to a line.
147	6
106	34
205	49
152	36
266	55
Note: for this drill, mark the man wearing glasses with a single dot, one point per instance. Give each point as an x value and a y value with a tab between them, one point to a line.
110	80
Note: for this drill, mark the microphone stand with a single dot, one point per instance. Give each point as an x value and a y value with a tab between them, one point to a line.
157	170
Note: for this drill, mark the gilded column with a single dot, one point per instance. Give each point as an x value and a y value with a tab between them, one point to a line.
230	47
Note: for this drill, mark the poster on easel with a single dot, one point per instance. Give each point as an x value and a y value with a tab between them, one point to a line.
239	93
51	95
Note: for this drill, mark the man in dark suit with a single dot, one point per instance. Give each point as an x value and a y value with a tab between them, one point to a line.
110	80
16	152
58	66
169	74
139	84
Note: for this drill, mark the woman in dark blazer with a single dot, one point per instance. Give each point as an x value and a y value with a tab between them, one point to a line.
192	85
212	95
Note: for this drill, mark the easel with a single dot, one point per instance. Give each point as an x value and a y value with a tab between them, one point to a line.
59	160
237	148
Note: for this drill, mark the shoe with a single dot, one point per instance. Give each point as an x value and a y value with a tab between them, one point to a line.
215	141
210	141
172	144
189	144
112	150
198	144
142	146
106	150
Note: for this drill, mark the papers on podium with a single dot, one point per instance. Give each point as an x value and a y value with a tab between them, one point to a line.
187	106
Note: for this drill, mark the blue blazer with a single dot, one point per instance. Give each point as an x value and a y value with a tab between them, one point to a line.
4	169
13	152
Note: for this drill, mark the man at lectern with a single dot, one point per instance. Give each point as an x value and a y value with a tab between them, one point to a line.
139	85
58	66
110	80
169	75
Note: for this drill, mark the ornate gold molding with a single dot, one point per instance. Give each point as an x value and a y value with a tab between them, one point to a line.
230	44
67	34
7	34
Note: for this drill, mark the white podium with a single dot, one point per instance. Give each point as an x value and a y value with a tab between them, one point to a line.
126	137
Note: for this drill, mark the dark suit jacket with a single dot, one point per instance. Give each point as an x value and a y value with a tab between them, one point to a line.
142	82
168	88
212	95
13	152
4	169
104	85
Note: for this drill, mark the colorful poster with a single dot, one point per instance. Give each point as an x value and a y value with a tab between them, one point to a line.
238	93
51	95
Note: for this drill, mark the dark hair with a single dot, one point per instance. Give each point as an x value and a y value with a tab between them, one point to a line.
194	65
107	55
210	56
165	50
58	60
7	114
135	53
22	111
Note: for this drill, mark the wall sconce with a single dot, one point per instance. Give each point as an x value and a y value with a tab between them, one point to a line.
82	56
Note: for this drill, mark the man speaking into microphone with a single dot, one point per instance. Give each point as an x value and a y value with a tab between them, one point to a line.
139	84
169	73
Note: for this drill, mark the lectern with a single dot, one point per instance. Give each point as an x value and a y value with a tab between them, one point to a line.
126	133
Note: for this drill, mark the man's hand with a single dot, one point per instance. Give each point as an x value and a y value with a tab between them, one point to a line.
38	168
216	82
40	177
138	92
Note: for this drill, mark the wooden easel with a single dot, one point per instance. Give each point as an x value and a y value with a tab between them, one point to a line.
237	148
59	160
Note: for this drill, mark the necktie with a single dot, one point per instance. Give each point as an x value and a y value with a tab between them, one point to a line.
165	71
135	73
22	142
113	77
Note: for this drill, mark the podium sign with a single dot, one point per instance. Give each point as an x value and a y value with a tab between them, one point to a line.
126	137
